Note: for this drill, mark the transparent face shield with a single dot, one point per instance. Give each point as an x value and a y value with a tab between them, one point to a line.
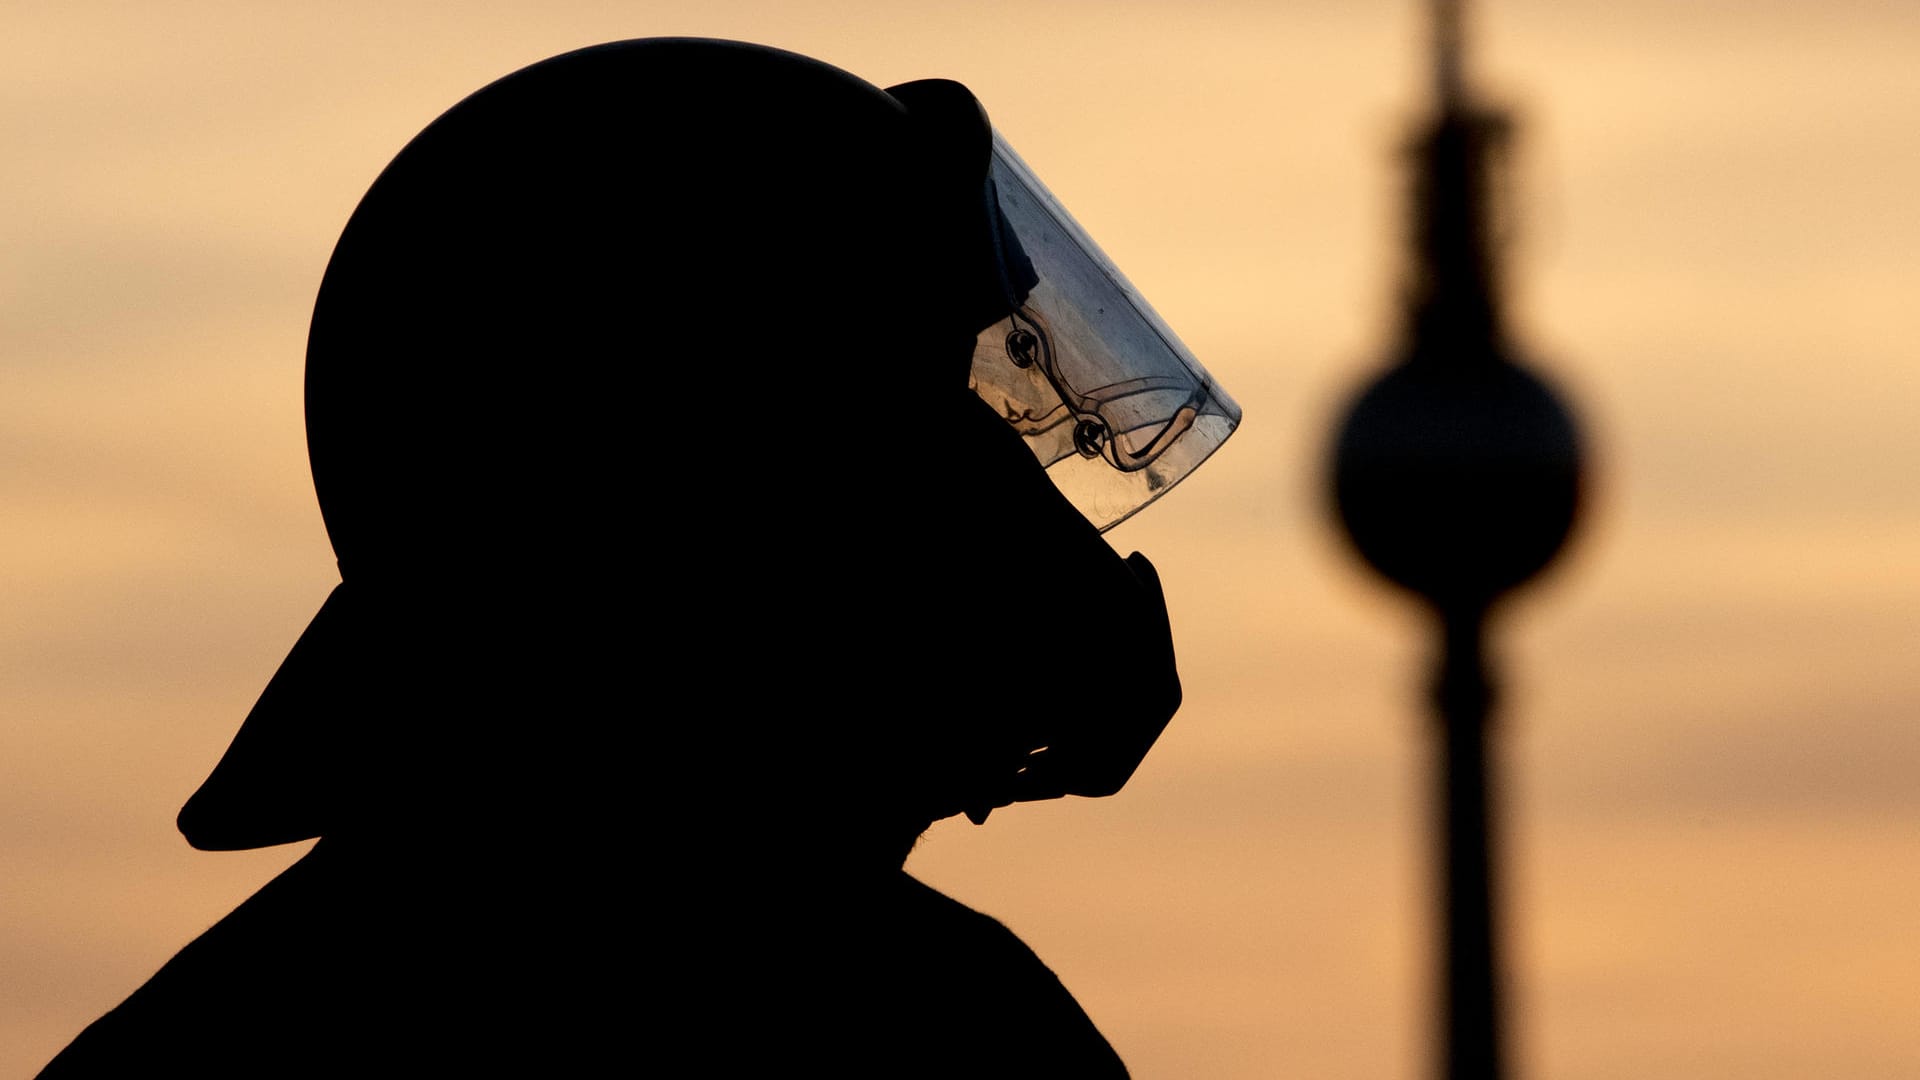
1107	397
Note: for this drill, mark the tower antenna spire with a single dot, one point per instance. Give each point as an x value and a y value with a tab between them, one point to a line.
1449	55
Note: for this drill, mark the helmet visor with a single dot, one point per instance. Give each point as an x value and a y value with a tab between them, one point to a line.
1114	406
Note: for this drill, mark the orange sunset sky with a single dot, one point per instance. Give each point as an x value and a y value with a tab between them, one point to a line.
1715	759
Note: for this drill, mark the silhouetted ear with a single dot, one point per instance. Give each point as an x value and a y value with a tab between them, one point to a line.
278	781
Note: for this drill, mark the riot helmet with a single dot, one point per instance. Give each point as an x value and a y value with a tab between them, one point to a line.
624	319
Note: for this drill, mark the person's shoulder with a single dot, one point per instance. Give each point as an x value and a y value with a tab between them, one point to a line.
992	1002
214	1001
325	971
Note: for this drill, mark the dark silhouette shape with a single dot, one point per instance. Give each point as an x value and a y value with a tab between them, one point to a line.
1457	474
685	582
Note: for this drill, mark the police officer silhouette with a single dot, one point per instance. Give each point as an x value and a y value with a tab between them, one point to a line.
700	431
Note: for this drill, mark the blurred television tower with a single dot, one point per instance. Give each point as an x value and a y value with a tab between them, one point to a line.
1457	476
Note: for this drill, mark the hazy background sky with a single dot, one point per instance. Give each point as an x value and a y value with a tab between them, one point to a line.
1715	813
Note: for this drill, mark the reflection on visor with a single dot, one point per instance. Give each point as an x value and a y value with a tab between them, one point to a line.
1107	397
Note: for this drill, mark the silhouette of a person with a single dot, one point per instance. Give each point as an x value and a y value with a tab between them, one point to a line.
685	583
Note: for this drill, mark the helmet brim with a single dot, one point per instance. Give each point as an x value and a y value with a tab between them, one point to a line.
278	781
